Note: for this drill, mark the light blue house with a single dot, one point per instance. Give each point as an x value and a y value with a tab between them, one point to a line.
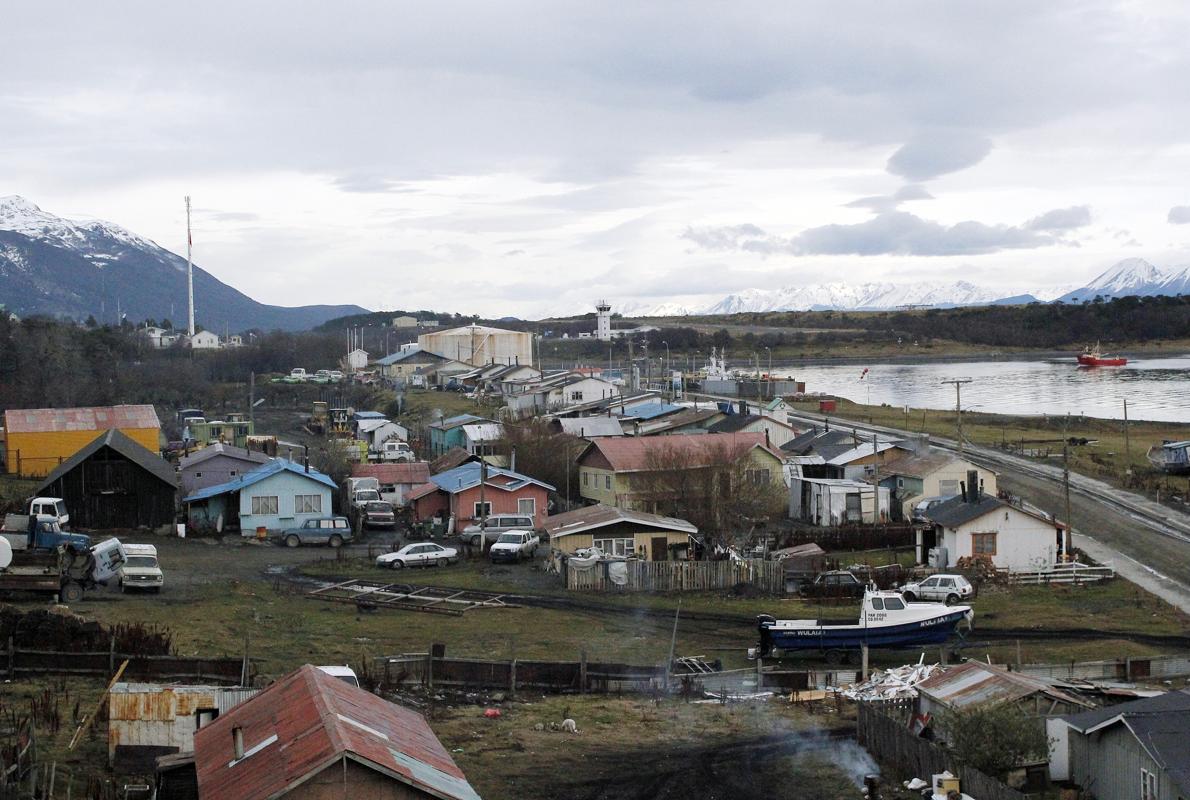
448	433
278	495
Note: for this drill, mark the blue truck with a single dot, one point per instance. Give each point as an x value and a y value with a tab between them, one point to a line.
40	532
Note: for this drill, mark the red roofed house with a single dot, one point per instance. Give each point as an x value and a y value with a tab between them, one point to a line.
457	492
396	480
311	735
623	471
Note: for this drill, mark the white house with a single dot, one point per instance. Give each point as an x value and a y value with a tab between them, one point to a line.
977	524
378	431
204	340
557	392
482	438
357	360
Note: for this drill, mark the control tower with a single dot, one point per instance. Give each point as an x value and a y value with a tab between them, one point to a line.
603	321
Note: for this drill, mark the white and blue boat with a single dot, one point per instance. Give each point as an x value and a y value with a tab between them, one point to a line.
885	621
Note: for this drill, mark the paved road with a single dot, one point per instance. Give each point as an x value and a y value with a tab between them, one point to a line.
1147	543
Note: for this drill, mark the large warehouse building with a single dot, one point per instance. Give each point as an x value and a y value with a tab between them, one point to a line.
39	439
480	345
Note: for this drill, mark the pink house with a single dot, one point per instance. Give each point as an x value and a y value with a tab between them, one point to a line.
457	491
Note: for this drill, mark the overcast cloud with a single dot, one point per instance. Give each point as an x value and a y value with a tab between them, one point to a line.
524	158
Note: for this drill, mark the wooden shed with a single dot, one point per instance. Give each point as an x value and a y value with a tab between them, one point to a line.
113	482
618	532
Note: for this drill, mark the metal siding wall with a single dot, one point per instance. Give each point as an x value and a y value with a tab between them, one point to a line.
41	452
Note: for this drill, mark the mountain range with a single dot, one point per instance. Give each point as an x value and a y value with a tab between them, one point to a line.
67	268
1133	276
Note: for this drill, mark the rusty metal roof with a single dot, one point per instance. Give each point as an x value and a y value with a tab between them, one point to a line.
588	518
414	472
309	720
974	684
99	418
632	453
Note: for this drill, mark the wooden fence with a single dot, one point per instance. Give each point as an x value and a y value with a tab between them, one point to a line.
889	740
16	662
851	537
676	576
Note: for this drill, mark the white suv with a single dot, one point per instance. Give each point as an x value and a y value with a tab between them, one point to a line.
949	589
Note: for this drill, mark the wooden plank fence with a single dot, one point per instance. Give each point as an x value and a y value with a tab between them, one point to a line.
851	537
676	576
1073	572
15	662
889	740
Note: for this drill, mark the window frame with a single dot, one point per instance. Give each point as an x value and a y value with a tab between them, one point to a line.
260	508
619	545
302	504
532	512
479	514
979	543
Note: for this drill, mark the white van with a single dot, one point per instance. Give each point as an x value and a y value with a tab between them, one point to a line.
140	569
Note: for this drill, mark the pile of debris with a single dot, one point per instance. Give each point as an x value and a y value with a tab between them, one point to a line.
893	684
60	630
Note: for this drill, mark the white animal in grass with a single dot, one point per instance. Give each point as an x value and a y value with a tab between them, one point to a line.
569	726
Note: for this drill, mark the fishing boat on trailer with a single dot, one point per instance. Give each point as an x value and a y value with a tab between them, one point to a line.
885	621
1093	357
1171	457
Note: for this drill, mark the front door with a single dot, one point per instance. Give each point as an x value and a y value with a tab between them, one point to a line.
928	541
660	553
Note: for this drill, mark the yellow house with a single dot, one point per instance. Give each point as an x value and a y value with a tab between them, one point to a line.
621	533
39	439
617	471
931	474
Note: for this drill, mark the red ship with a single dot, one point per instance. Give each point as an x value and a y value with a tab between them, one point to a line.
1092	357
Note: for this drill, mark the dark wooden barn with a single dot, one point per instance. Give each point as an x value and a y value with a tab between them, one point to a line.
114	482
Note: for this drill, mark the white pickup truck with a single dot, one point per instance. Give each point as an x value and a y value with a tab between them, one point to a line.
514	546
50	507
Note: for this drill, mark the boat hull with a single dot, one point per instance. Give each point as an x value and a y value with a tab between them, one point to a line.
850	637
1097	361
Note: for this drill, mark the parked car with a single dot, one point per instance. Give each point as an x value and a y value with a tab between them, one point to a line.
419	554
333	531
836	583
949	589
501	523
514	546
140	569
379	514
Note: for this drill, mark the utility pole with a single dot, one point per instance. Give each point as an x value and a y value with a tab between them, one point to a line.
876	479
189	273
1127	444
958	406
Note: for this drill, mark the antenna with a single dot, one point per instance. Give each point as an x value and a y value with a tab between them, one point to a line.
189	273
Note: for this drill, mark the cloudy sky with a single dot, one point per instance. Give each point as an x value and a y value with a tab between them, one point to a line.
528	158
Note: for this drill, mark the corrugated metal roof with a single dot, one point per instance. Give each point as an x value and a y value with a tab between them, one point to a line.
484	431
415	472
467	475
96	418
257	475
219	448
973	684
454	422
650	410
582	520
308	720
587	427
919	466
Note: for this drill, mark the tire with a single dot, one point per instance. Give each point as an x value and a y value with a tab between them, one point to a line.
909	597
292	541
398	563
71	593
951	599
335	541
442	562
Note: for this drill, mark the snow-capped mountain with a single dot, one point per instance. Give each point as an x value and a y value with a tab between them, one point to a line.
876	295
1132	276
71	268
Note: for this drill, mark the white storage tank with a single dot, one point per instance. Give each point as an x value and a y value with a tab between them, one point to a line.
480	345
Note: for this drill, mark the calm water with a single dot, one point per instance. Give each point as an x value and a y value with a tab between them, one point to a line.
1156	388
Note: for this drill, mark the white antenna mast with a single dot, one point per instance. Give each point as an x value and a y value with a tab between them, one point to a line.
189	273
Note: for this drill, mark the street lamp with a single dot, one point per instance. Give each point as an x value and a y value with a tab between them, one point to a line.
769	350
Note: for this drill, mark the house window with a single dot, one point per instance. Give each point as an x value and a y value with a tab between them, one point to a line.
232	473
948	488
483	510
616	547
983	544
526	506
607	482
576	395
758	477
307	504
1148	785
265	505
586	477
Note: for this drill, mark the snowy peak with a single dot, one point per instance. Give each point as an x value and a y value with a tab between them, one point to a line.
21	216
1131	273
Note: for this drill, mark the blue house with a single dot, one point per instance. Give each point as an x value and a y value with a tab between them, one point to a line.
278	495
447	433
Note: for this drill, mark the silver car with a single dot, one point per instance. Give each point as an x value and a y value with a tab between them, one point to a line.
333	531
948	589
418	554
496	525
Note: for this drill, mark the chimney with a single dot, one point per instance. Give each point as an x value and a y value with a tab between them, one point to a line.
306	457
963	491
973	485
237	741
766	438
512	460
